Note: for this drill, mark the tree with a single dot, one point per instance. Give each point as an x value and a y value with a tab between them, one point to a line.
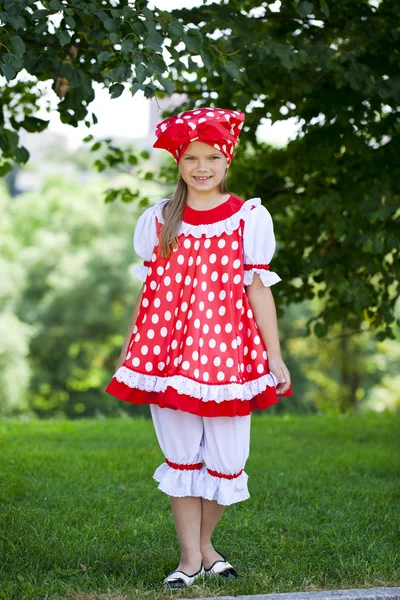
333	192
68	300
76	43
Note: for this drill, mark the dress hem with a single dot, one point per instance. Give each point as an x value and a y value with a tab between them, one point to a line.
170	398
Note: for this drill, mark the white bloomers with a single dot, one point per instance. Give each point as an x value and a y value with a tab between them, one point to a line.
187	440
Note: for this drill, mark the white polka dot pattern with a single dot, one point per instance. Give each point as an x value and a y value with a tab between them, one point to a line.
195	320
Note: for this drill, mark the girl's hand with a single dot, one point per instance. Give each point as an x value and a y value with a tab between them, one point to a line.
280	370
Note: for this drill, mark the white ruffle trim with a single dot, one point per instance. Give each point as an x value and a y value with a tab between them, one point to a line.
189	387
178	484
140	272
175	482
212	229
224	491
267	277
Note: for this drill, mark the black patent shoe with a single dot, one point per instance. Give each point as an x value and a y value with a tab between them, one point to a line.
179	579
222	568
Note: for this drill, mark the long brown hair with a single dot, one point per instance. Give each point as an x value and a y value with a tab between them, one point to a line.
172	212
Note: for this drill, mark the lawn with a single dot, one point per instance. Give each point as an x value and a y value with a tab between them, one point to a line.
81	516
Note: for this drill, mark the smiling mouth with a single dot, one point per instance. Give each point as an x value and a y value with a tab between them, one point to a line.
201	178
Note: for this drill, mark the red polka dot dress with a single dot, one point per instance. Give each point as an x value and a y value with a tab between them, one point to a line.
195	345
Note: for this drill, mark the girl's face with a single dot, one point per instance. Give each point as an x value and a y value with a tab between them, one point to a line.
202	167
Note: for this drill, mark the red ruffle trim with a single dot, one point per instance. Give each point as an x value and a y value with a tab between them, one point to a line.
249	267
222	475
172	399
184	467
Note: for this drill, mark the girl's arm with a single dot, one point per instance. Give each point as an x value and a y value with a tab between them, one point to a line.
263	306
135	313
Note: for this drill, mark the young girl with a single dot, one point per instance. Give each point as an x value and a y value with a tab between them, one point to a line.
202	348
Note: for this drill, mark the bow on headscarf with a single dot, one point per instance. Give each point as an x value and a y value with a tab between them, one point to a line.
220	128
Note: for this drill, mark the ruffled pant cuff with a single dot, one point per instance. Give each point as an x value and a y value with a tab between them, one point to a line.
175	482
200	483
224	491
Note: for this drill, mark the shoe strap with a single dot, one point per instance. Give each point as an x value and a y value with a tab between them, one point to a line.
220	565
176	575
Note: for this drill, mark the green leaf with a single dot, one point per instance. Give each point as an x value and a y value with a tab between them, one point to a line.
8	70
325	8
56	5
232	70
148	14
154	41
111	196
5	168
156	65
287	58
193	41
100	165
40	14
136	87
14	61
320	330
103	56
88	138
17	22
381	336
140	72
114	38
33	124
111	24
175	55
103	15
144	201
42	28
8	141
21	155
95	147
128	45
94	119
149	90
304	9
208	60
168	85
120	74
74	76
175	29
138	28
116	90
128	12
17	45
63	37
70	21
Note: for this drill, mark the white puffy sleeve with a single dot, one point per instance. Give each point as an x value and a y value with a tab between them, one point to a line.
144	241
259	246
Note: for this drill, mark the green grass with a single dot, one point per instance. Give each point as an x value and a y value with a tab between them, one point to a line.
81	516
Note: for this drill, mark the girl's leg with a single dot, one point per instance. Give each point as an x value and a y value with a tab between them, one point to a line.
210	515
187	517
226	450
179	435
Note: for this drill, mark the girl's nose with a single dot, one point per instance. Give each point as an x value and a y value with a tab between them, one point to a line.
202	164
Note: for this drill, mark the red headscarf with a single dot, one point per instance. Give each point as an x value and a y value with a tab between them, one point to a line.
218	127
